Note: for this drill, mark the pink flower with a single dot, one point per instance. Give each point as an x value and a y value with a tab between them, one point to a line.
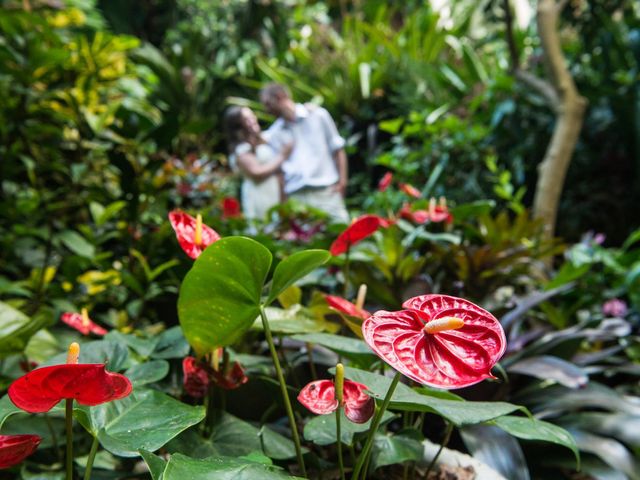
320	398
82	323
193	235
614	308
438	340
410	190
385	181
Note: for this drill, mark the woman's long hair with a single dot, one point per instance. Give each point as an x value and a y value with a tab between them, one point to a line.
233	127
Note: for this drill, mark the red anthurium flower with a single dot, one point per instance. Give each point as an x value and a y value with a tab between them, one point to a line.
440	212
196	377
360	228
438	340
230	378
320	398
15	448
345	306
415	216
88	383
410	190
231	208
82	323
193	235
385	181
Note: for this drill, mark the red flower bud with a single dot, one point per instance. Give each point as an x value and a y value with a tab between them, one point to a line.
15	448
320	398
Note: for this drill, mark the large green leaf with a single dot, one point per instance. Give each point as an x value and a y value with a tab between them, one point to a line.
181	467
16	328
234	437
445	404
532	429
147	372
389	449
220	296
321	429
293	268
348	347
155	463
146	420
77	244
295	319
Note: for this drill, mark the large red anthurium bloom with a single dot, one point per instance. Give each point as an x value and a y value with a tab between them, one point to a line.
360	228
82	323
438	340
15	448
193	235
88	383
320	398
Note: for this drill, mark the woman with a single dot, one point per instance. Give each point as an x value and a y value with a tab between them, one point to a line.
259	163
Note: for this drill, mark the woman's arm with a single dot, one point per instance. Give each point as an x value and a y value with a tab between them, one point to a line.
255	170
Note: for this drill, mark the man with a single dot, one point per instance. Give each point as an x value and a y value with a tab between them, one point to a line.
316	171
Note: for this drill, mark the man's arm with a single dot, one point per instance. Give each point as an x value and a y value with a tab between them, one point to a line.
340	158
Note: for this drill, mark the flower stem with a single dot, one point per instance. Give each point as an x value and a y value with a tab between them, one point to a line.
445	440
346	273
92	456
283	388
339	437
375	423
68	413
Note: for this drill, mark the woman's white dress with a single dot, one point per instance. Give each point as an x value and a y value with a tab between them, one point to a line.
257	197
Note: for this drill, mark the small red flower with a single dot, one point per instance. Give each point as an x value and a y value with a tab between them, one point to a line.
320	398
410	190
193	235
88	383
415	216
231	208
230	379
440	212
196	377
385	181
346	307
438	340
15	448
82	323
360	228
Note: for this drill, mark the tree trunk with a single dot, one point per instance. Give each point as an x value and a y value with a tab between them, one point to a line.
569	117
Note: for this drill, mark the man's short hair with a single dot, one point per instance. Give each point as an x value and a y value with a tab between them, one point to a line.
274	90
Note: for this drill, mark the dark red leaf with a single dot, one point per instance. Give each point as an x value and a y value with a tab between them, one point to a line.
87	383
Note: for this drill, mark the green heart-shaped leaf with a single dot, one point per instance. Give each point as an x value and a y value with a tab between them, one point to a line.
181	467
532	429
220	296
293	268
147	419
445	404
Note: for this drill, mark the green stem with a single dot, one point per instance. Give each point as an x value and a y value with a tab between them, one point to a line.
445	440
346	273
92	456
339	437
375	423
54	437
283	388
68	414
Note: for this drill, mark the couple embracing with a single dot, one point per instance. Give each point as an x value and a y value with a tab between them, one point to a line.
301	156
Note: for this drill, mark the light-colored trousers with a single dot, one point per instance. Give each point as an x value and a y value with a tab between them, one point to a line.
325	199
